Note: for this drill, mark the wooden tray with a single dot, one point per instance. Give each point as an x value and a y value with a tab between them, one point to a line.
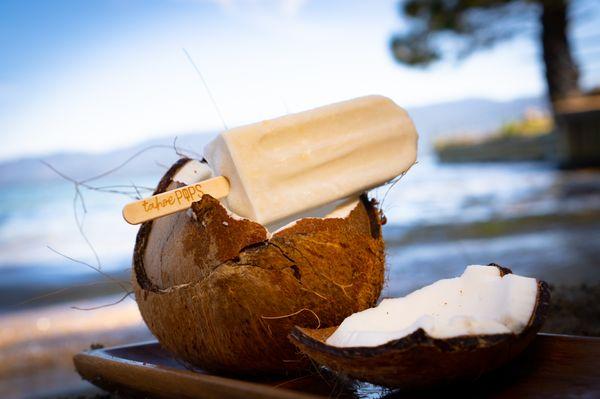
555	366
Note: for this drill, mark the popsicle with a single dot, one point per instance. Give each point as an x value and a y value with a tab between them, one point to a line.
271	170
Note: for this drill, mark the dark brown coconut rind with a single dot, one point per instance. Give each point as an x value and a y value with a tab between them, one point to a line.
221	295
418	360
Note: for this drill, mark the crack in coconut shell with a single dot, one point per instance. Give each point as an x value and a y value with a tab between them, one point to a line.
221	294
419	360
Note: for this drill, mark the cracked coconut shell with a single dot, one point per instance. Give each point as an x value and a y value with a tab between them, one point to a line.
222	294
419	360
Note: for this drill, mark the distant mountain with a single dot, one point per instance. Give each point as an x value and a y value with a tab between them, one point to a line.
476	116
156	155
472	115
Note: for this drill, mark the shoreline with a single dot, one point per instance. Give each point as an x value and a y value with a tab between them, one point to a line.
396	235
408	249
20	292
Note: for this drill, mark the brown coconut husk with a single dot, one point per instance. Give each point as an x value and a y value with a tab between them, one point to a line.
221	294
418	360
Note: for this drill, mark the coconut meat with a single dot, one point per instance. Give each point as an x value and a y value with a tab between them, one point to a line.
479	302
336	209
193	172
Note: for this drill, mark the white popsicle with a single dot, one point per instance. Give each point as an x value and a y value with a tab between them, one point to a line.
272	170
281	167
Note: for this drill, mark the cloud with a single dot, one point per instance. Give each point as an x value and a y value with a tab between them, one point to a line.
292	7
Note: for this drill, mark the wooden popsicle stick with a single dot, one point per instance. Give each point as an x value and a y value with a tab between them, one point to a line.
172	201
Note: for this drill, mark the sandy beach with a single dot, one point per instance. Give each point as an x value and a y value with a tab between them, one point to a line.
37	343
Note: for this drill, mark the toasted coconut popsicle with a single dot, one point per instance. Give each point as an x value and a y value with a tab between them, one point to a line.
274	169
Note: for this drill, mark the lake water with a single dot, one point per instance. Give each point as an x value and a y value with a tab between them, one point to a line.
36	216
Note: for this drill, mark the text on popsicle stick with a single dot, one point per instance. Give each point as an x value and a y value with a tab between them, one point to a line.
181	195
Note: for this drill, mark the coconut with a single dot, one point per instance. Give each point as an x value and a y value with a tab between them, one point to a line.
222	293
455	329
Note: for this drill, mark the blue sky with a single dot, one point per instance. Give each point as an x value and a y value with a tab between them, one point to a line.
94	75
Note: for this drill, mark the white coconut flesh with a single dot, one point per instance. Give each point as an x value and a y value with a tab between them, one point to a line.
337	209
195	171
480	302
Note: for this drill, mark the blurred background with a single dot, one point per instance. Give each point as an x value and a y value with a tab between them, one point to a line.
99	98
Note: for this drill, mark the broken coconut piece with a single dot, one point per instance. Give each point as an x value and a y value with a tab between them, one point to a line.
222	294
436	334
481	301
